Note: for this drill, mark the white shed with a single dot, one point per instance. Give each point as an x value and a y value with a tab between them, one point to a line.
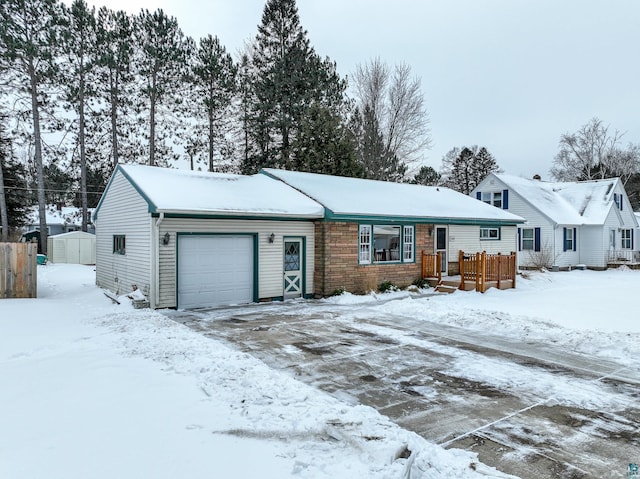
75	247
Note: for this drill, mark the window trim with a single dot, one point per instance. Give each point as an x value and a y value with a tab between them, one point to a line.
120	244
626	236
532	239
364	244
488	230
366	241
408	247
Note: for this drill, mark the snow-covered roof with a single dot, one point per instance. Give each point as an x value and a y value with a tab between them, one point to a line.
568	203
196	192
356	198
66	215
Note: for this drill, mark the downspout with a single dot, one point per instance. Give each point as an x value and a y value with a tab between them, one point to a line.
156	263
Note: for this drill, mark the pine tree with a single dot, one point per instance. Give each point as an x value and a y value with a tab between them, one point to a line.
426	176
463	169
378	161
115	87
13	191
213	79
29	31
162	68
325	145
79	45
289	79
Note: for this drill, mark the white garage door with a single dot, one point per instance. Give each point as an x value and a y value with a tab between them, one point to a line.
214	270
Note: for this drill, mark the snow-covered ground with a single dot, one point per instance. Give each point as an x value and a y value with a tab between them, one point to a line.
95	389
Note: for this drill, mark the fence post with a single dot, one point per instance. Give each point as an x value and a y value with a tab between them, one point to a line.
513	268
499	268
438	264
461	267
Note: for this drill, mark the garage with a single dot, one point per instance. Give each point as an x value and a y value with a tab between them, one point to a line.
215	270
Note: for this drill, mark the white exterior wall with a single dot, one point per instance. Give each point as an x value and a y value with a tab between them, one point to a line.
535	219
270	255
123	211
593	246
467	238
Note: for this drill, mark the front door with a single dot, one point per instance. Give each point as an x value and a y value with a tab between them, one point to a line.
293	268
612	244
441	247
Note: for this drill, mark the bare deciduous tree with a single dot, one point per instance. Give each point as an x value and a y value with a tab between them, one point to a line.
396	101
594	152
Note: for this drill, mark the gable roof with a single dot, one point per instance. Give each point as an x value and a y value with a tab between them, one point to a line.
570	203
356	199
175	191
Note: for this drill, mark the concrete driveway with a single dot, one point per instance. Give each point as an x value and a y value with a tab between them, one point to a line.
403	367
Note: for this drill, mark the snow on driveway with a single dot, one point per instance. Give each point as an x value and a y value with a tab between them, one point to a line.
93	389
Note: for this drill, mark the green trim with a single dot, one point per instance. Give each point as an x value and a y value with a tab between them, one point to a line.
208	216
255	258
355	218
151	206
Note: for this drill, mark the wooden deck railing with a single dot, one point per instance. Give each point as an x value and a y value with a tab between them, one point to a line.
432	266
487	270
477	270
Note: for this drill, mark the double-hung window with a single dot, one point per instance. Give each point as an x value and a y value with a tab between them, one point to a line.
407	244
569	239
528	239
365	244
492	197
386	244
626	236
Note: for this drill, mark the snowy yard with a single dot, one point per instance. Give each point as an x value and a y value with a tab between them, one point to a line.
95	389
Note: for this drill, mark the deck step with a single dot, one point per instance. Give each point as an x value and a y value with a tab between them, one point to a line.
446	288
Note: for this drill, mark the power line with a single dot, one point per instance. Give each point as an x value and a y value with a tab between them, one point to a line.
50	190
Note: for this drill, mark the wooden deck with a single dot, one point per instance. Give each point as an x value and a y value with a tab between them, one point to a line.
478	271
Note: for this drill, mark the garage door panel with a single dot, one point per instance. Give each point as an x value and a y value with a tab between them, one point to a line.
215	270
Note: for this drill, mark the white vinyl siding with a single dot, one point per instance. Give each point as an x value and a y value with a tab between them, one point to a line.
467	238
123	212
270	263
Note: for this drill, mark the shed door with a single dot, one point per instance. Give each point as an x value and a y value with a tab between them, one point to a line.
215	270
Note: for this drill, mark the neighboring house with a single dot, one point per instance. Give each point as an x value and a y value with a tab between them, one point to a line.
196	239
60	219
375	231
191	239
568	224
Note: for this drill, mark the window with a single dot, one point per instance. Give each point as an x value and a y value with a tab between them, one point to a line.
386	244
627	238
119	244
528	239
489	233
569	239
365	244
618	200
407	250
493	198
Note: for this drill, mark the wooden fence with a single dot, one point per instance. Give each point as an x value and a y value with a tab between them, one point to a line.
18	270
432	266
487	270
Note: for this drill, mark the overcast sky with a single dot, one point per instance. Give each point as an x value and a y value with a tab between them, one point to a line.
511	75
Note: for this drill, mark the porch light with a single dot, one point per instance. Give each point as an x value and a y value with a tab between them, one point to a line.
271	238
166	238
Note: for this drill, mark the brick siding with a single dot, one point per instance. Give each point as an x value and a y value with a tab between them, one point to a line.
337	267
